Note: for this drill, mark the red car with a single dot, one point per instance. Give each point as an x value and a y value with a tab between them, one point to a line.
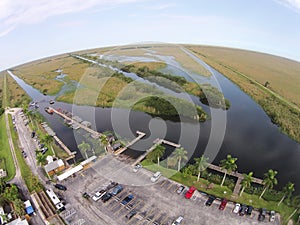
190	192
223	204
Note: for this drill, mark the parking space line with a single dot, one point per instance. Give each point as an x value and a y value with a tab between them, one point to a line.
163	183
169	187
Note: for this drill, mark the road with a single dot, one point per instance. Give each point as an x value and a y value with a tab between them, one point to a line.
18	180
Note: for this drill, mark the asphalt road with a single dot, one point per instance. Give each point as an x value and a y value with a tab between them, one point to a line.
25	145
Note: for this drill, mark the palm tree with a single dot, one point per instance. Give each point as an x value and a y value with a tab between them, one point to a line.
84	147
296	204
287	191
269	181
159	151
48	140
19	207
201	165
246	182
228	165
103	140
41	158
180	154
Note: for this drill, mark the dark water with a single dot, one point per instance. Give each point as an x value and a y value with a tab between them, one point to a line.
250	135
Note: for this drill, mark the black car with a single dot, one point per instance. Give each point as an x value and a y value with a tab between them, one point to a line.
131	214
60	187
85	195
262	214
32	134
249	210
210	200
243	210
106	197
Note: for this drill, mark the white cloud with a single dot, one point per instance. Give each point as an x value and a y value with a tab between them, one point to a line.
292	4
18	12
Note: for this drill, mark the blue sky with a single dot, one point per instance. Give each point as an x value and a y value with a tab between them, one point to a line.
33	29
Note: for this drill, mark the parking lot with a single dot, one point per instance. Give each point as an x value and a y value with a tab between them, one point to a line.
154	203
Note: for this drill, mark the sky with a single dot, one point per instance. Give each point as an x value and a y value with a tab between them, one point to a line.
33	29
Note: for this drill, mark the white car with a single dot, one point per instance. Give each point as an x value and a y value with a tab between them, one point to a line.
137	167
98	195
178	220
272	216
155	176
236	208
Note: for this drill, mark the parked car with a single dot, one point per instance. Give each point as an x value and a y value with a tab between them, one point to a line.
44	150
236	208
127	199
24	154
223	204
155	176
180	189
210	200
272	216
117	189
262	214
178	221
106	197
32	134
98	195
243	210
60	187
137	167
249	210
190	192
86	195
111	185
131	214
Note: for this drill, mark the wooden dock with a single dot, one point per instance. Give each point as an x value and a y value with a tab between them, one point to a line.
156	142
91	131
64	147
140	136
239	177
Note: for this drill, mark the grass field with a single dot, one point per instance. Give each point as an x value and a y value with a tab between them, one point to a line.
41	74
279	108
282	74
5	154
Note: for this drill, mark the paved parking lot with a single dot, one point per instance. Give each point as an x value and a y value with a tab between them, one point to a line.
155	203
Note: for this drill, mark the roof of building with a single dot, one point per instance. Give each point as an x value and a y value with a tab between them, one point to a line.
70	172
18	222
54	165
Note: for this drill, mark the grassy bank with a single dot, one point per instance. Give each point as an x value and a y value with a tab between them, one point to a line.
281	112
6	161
220	191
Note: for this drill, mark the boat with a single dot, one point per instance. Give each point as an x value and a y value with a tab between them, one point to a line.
49	110
51	101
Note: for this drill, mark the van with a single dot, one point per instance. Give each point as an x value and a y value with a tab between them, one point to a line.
155	176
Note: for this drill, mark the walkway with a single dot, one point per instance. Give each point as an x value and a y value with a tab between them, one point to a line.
140	136
239	177
156	142
93	132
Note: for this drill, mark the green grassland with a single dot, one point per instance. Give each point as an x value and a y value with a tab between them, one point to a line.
282	73
41	74
251	76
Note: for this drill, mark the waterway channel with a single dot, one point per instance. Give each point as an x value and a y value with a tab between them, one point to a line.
250	135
